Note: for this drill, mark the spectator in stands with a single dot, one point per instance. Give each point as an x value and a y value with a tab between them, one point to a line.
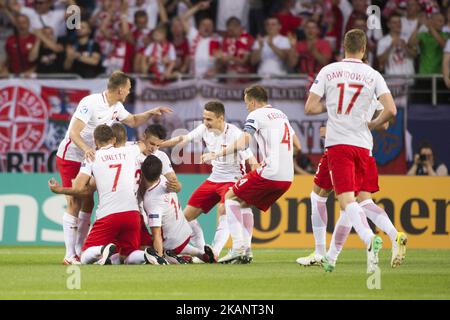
159	57
271	52
18	47
204	44
373	36
289	22
83	57
446	28
47	52
358	12
430	43
410	21
256	17
227	9
332	23
140	38
236	49
311	54
446	64
425	163
151	7
181	44
395	55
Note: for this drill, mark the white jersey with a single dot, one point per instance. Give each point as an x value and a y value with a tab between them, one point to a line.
166	164
93	110
163	210
224	169
349	87
273	132
114	170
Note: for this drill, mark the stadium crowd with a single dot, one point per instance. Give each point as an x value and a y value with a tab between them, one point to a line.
169	38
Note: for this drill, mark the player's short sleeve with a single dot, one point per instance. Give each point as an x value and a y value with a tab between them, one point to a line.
122	113
154	210
197	133
166	164
447	47
84	110
251	123
318	86
86	168
380	85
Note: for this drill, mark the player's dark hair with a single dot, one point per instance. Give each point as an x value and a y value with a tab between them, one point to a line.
156	130
216	107
117	80
354	41
120	132
256	92
151	168
425	145
103	133
233	20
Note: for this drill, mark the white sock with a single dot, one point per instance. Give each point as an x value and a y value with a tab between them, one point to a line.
115	258
197	238
221	236
136	257
91	255
359	221
379	217
248	221
319	219
340	234
84	222
193	251
70	233
235	223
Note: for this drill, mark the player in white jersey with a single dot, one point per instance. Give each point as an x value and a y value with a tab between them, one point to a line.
216	134
117	225
349	87
78	144
263	186
171	232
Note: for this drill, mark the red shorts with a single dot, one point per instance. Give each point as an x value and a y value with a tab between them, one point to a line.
146	238
208	194
68	170
347	165
370	181
322	177
260	192
122	229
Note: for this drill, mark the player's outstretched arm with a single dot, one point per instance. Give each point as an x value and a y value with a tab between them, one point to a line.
240	144
389	111
174	141
80	186
136	120
314	105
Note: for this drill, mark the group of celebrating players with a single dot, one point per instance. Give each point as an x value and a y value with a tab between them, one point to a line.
137	187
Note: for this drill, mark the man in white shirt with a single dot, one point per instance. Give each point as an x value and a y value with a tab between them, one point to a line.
411	20
78	144
271	52
349	87
216	134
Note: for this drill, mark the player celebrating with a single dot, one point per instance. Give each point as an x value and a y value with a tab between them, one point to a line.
78	144
216	134
117	222
349	87
165	216
263	186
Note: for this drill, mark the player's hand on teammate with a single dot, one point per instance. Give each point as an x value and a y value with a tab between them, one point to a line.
54	185
208	157
158	111
173	185
89	155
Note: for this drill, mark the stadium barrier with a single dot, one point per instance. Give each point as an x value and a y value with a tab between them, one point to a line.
31	215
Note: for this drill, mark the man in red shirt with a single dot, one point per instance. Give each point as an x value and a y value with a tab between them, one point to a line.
310	54
19	45
236	48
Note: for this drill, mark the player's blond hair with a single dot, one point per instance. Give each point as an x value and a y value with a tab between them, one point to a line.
256	92
117	80
355	40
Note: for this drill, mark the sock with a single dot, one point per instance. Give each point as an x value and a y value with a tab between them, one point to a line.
235	223
115	258
70	233
91	255
248	221
136	257
319	219
340	234
193	251
84	222
359	221
221	236
197	238
380	218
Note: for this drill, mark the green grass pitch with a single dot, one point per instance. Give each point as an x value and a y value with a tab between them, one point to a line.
37	273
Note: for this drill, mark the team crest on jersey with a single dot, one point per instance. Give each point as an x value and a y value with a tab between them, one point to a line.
388	145
23	119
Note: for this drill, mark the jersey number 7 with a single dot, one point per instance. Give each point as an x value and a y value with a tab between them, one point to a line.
341	86
118	168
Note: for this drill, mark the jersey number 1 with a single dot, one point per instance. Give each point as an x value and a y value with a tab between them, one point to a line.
118	168
341	86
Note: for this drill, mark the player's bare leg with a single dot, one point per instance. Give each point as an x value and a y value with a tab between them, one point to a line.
70	225
191	214
380	218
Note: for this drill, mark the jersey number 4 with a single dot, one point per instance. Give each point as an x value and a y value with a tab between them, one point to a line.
341	86
118	168
286	137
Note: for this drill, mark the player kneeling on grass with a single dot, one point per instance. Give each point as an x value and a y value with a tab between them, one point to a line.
165	216
117	226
